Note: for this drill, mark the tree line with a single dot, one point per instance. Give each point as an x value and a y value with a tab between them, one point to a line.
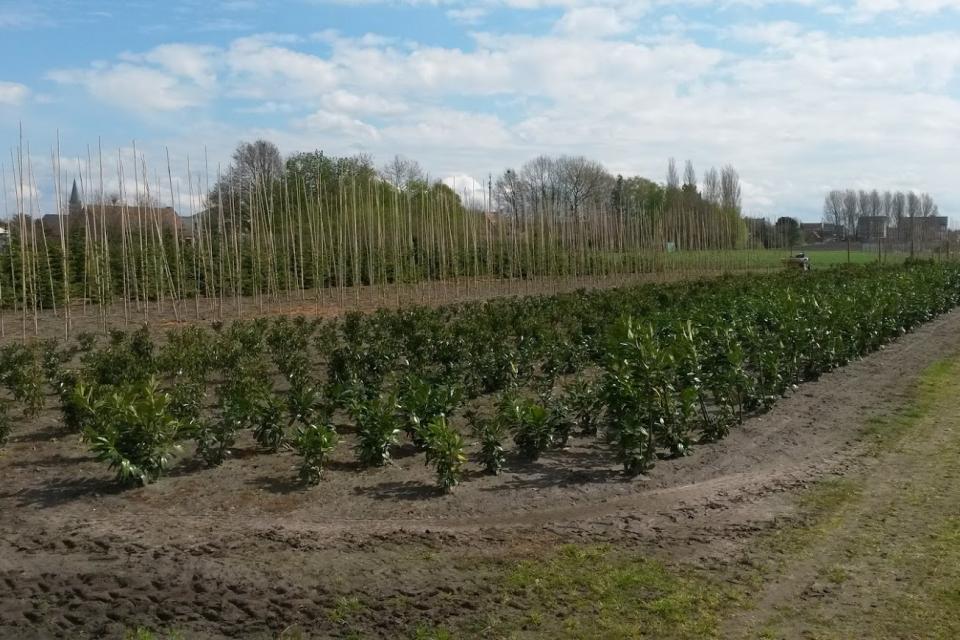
311	222
844	207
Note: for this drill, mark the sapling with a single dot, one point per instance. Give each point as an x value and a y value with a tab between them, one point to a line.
490	434
531	424
444	447
313	443
377	429
268	427
131	429
582	398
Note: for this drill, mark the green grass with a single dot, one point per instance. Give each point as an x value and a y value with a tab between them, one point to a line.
884	547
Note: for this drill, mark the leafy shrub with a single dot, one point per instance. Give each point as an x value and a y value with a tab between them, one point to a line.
490	434
531	423
314	443
21	372
132	429
582	399
215	438
444	447
269	430
377	429
421	403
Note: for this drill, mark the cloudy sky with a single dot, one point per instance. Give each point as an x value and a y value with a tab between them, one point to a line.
800	95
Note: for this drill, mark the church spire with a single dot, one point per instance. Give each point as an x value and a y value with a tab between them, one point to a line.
75	203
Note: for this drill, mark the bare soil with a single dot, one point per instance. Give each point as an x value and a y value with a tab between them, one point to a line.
243	550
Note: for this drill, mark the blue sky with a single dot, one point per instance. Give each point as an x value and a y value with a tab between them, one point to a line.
801	96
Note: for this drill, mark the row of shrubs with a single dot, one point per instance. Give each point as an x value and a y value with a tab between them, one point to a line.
652	370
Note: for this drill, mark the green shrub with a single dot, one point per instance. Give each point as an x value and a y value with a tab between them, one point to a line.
130	427
444	447
313	443
377	429
490	434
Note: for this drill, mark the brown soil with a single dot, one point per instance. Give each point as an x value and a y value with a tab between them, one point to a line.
243	551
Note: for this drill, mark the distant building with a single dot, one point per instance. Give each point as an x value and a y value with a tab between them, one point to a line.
112	218
922	231
816	232
870	228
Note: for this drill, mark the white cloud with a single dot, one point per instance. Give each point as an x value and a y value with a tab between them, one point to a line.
135	88
472	192
794	109
865	10
262	68
369	104
13	93
593	22
467	15
342	125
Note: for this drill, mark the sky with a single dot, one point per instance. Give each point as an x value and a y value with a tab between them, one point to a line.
801	96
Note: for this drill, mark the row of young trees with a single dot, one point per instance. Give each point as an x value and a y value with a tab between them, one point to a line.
576	186
318	227
844	208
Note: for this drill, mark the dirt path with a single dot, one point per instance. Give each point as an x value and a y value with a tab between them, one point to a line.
886	562
242	551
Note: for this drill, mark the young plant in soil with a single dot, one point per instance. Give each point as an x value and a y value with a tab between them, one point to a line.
444	447
421	403
583	401
313	443
269	429
490	434
377	429
132	430
531	424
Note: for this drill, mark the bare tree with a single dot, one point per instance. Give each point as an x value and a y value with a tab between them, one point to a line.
582	182
898	207
887	205
851	211
257	162
927	206
568	184
711	186
730	189
510	193
833	209
402	172
689	176
673	178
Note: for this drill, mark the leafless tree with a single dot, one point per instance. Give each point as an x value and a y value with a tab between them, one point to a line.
711	186
510	193
730	189
833	209
689	176
673	178
402	172
583	182
257	162
851	211
887	205
927	206
898	207
568	184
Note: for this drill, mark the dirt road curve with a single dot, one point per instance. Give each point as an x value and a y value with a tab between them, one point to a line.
242	551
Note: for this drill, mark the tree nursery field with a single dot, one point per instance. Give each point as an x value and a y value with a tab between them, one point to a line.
545	464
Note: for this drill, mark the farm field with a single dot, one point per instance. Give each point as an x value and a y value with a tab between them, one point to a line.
638	461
